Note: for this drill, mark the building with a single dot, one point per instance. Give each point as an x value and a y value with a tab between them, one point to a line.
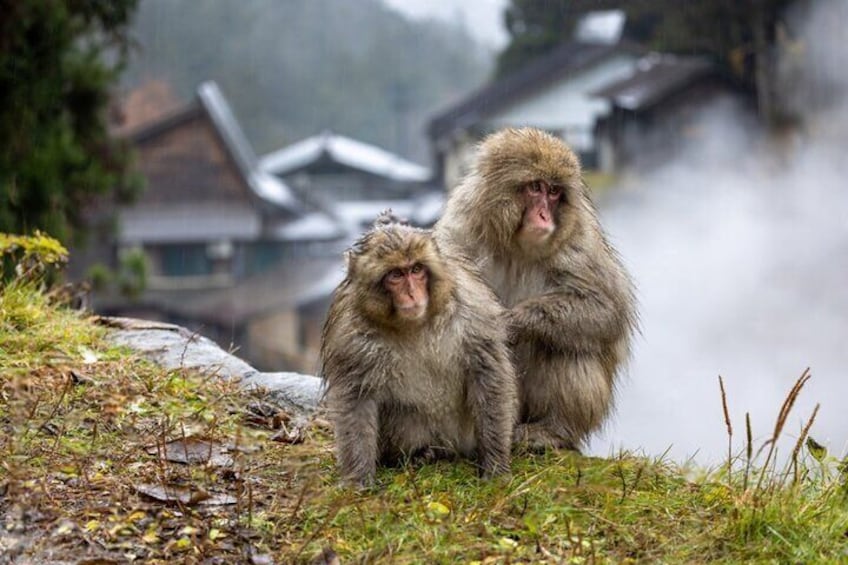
355	181
657	109
209	224
554	93
608	99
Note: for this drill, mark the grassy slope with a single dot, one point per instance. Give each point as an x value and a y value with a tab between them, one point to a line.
78	419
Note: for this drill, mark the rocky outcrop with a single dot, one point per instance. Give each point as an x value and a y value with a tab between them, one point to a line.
175	347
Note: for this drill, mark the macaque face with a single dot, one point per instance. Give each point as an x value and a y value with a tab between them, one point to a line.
541	201
407	287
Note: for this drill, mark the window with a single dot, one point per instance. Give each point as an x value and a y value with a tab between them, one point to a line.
185	260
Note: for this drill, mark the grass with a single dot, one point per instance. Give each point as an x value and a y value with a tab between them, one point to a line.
84	427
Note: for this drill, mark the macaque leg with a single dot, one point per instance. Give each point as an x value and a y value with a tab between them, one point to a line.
538	437
564	400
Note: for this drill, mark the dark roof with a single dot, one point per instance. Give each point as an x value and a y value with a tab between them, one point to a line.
567	58
656	77
170	120
210	102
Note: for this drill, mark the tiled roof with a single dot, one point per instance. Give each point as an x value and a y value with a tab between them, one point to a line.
345	151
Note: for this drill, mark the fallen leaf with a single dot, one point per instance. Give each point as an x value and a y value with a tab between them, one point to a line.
88	356
437	510
193	451
294	435
326	557
184	495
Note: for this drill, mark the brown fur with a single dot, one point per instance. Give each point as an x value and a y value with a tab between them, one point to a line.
571	302
396	387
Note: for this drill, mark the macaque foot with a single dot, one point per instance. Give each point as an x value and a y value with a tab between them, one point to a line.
536	438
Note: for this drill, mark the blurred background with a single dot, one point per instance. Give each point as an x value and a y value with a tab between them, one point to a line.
208	162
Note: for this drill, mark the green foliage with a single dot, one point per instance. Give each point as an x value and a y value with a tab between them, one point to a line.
132	273
293	68
100	276
58	60
31	257
535	27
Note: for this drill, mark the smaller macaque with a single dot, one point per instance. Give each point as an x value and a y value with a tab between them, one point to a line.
415	359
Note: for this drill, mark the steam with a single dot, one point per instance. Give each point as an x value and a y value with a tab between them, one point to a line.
740	252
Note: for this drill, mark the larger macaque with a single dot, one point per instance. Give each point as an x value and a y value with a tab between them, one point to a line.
525	216
415	358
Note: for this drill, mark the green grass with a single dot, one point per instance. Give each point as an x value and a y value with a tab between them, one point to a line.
81	422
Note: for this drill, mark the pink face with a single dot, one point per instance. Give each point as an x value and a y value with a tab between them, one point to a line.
408	289
541	201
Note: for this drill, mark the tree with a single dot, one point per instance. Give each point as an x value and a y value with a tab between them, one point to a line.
58	60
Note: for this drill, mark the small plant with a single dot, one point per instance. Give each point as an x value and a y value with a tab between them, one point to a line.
132	273
100	276
34	257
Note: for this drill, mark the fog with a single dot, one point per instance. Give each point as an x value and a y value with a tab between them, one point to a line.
740	252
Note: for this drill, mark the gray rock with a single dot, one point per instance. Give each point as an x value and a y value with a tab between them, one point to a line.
174	347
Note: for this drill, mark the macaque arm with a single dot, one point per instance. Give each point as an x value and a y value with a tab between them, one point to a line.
349	372
357	432
572	320
492	398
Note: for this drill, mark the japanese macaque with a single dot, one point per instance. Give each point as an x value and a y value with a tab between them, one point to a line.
524	215
415	358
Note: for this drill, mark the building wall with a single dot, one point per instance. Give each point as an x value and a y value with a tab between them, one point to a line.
188	163
274	342
655	136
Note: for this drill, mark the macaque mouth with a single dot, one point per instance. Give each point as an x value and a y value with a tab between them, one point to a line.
412	311
538	220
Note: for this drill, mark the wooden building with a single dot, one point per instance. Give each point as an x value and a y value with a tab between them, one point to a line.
210	224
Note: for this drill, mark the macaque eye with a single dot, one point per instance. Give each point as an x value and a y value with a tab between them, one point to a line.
535	187
555	190
395	275
417	268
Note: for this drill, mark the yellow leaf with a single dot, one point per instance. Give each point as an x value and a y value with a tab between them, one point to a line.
507	543
182	544
188	530
215	533
437	509
150	536
92	525
136	516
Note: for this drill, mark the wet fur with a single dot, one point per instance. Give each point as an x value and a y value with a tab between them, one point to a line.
396	388
571	302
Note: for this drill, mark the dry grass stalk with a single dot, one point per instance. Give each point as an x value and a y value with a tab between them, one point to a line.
782	416
749	449
729	429
805	431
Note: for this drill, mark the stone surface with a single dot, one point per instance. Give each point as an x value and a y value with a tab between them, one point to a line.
175	347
